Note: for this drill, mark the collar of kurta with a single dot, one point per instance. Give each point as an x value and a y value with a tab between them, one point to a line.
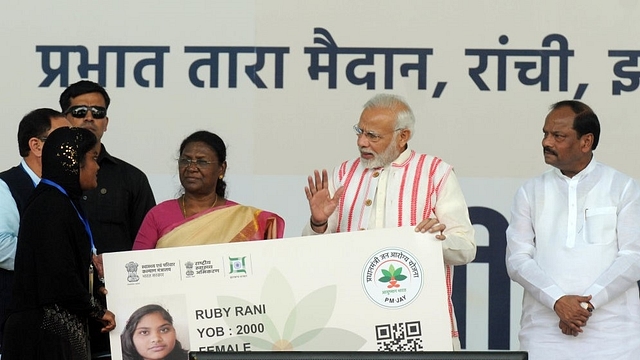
584	172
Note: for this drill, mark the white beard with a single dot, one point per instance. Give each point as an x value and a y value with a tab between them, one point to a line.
383	159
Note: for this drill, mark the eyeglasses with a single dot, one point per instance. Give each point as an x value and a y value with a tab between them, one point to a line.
371	136
80	111
42	138
199	163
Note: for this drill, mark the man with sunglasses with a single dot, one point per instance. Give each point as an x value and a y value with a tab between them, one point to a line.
16	185
390	185
115	208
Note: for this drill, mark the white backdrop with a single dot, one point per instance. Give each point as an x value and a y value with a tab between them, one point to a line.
277	135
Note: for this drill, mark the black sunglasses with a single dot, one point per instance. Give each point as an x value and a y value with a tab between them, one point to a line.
80	111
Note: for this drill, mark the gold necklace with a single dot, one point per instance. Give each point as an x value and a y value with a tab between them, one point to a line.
184	207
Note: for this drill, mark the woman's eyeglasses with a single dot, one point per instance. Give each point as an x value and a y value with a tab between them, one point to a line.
199	163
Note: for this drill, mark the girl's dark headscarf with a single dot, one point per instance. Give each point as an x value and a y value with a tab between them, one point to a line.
63	155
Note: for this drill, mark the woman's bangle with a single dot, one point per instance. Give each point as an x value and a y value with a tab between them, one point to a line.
317	225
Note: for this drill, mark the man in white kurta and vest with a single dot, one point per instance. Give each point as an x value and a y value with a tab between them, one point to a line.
574	245
390	185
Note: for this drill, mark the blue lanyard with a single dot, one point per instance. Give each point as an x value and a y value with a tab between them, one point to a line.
84	221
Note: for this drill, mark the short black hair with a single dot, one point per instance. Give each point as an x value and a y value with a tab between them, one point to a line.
585	121
80	88
35	124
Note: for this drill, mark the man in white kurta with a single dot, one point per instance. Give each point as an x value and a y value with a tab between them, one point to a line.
573	243
390	185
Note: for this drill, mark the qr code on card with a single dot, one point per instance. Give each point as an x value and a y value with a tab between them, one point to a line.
405	336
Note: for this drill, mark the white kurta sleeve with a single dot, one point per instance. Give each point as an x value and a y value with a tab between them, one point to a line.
459	247
624	272
521	249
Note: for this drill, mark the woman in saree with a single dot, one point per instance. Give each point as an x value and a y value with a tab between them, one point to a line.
202	215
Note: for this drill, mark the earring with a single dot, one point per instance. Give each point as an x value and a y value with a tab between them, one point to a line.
220	177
